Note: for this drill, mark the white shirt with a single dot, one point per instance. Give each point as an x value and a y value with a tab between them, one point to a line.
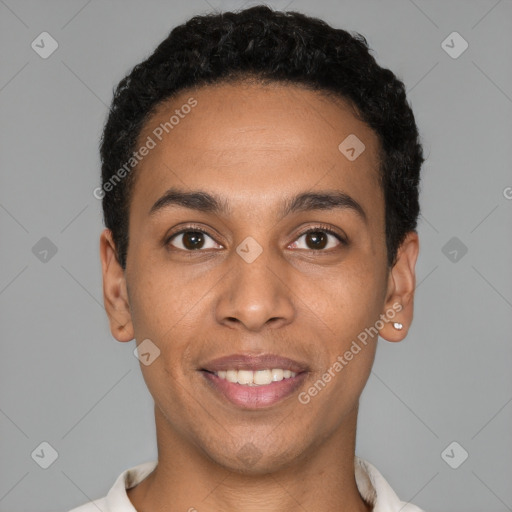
371	485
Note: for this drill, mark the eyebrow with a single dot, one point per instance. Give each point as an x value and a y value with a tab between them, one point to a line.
329	200
197	200
306	201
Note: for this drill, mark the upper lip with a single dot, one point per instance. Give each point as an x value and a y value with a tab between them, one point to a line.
254	363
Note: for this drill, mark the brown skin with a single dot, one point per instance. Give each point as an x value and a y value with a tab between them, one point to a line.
255	146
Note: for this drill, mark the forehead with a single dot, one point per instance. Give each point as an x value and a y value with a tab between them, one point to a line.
252	141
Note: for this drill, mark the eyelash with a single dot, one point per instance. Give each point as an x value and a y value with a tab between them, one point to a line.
319	228
324	229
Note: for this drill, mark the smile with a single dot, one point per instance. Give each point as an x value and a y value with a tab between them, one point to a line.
255	378
254	389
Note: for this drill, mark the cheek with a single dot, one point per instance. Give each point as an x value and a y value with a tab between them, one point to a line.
162	312
350	298
166	307
349	307
160	301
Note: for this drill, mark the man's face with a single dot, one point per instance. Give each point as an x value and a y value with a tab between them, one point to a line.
253	282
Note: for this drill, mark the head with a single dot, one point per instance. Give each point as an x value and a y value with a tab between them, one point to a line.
259	126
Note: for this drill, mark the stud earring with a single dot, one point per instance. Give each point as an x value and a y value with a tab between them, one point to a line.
398	326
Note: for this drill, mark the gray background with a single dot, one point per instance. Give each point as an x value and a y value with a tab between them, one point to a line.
66	381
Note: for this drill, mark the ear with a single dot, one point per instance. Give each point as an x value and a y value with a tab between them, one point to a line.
115	294
399	304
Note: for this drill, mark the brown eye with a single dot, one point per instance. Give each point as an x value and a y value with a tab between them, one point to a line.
192	240
316	240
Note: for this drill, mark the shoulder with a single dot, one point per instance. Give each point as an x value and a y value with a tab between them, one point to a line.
374	488
117	499
92	506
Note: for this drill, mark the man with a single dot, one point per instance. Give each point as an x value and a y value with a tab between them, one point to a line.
260	193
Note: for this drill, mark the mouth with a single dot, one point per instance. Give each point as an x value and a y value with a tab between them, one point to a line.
254	382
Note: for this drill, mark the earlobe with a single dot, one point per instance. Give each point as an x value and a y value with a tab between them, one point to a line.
115	293
399	304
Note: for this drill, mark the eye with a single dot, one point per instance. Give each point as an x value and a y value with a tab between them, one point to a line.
191	240
318	238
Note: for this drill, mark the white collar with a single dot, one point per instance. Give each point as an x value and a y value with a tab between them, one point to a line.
371	485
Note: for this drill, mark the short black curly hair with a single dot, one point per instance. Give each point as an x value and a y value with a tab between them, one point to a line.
275	46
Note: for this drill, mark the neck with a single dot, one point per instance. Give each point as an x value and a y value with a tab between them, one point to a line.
187	479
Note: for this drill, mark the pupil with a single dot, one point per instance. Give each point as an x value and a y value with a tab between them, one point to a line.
318	239
193	239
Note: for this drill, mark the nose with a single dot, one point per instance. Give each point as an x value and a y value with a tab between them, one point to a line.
256	295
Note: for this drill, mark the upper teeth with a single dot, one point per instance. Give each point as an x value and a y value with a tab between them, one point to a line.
257	378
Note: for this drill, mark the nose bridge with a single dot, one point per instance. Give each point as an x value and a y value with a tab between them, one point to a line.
255	293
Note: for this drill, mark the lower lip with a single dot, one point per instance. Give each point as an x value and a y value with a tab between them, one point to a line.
255	397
